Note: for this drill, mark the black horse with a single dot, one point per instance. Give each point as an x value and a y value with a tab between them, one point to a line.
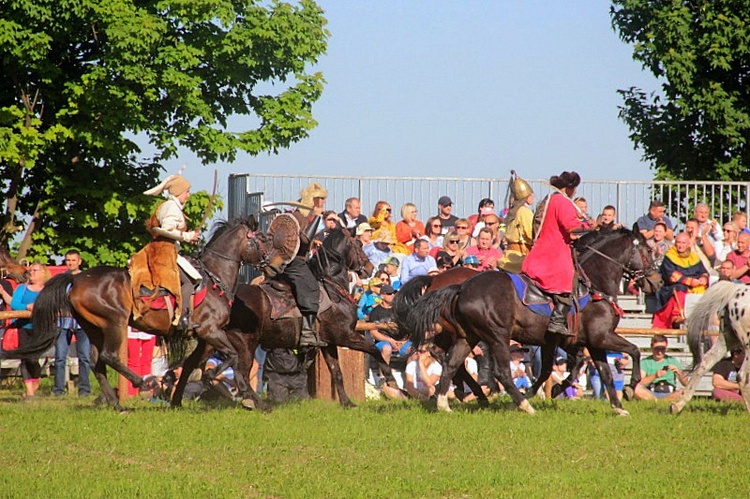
101	300
487	308
250	322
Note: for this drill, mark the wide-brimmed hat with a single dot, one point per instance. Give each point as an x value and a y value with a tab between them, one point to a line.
363	227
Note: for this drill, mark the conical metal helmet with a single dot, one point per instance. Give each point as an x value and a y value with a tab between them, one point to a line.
521	188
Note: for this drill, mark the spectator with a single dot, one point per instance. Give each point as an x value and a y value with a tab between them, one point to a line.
728	244
443	261
700	244
583	210
451	247
409	229
422	374
617	362
519	370
352	217
381	221
655	214
726	375
608	219
683	273
464	393
659	243
23	299
390	266
433	232
726	269
739	218
480	224
471	262
140	354
286	372
364	236
739	258
384	313
463	229
418	263
554	387
330	222
67	329
659	372
707	227
381	249
492	223
485	253
447	218
369	299
486	206
223	383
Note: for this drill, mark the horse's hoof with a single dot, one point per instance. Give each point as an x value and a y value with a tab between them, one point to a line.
442	404
674	408
526	407
621	412
248	404
628	393
349	405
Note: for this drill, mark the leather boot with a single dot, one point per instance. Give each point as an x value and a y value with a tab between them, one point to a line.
558	321
309	337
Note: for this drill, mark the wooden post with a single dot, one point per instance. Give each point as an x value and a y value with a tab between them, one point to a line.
352	364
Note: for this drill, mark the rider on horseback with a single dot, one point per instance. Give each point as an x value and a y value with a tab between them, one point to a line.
550	261
297	273
169	223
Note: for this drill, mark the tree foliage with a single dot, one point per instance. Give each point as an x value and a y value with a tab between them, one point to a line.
82	79
698	125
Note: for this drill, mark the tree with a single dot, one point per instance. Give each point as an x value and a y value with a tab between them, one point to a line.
698	125
83	79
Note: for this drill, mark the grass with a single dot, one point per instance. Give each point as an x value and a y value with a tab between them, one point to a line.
70	448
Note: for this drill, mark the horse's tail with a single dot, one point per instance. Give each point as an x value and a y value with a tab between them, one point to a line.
715	298
425	314
51	304
407	296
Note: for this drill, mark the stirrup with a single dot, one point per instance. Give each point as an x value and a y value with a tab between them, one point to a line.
309	338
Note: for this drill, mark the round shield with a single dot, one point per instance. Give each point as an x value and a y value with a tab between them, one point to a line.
283	234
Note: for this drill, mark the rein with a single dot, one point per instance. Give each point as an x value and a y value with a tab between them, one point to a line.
221	255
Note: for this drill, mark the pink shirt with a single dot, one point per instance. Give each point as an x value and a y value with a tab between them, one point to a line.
487	257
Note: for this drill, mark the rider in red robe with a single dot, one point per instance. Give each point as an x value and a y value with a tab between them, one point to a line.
550	262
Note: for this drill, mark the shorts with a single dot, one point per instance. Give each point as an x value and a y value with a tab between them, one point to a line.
403	351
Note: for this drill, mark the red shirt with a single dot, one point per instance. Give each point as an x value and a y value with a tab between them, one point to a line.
739	260
549	263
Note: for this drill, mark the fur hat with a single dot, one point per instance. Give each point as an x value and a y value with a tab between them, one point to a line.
309	193
174	184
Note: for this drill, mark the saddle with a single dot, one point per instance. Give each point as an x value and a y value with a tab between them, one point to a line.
162	299
283	304
538	301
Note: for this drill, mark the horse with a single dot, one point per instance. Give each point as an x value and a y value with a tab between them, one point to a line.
250	321
11	268
486	307
101	300
730	300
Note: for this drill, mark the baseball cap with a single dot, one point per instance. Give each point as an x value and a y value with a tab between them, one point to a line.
387	289
445	201
471	260
560	360
375	281
392	260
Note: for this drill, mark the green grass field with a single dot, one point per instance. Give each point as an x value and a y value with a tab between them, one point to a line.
69	448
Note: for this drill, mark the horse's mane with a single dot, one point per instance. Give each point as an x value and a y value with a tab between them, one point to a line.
599	238
223	226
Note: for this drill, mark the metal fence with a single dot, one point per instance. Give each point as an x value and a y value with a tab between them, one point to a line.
248	192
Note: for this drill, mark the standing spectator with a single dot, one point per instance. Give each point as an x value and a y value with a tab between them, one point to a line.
433	232
418	263
67	328
286	374
707	227
739	258
725	377
727	244
486	206
140	355
739	218
485	253
352	216
659	243
683	273
659	372
645	224
409	229
422	374
445	209
23	299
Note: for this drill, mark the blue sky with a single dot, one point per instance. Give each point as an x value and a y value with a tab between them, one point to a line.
467	89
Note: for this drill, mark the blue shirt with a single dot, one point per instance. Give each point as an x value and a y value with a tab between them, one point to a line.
413	266
21	298
648	223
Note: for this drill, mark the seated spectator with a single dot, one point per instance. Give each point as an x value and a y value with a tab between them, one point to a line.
726	270
701	244
617	362
390	267
330	221
519	370
451	247
409	229
381	221
286	372
727	244
370	298
418	263
471	262
556	385
739	218
725	376
583	209
660	372
464	393
364	235
384	313
352	217
486	206
484	213
445	214
463	229
493	223
485	253
607	221
422	374
193	388
222	383
707	227
739	258
683	273
381	248
659	243
655	214
433	233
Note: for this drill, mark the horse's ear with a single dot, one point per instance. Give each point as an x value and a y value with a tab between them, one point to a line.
252	223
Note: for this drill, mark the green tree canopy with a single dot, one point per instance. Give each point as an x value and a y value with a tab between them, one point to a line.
82	79
698	125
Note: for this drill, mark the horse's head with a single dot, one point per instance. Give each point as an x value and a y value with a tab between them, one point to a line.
340	242
231	241
11	269
645	272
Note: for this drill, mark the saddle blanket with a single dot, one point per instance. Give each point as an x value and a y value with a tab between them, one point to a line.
160	302
282	301
536	300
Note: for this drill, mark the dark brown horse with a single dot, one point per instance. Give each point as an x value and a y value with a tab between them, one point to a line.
250	323
487	308
101	300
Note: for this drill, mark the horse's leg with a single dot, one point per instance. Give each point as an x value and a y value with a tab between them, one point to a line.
744	378
331	356
463	376
453	360
599	357
608	340
245	345
109	395
714	355
501	354
190	364
548	358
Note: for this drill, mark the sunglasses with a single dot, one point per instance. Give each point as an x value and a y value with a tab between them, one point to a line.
388	293
452	242
659	349
492	223
462	226
388	210
331	219
437	226
728	230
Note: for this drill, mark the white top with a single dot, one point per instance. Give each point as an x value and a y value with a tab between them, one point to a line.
172	221
412	369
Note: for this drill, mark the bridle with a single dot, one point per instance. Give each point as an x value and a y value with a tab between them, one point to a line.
628	270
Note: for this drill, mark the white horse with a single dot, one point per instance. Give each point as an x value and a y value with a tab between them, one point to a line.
732	303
